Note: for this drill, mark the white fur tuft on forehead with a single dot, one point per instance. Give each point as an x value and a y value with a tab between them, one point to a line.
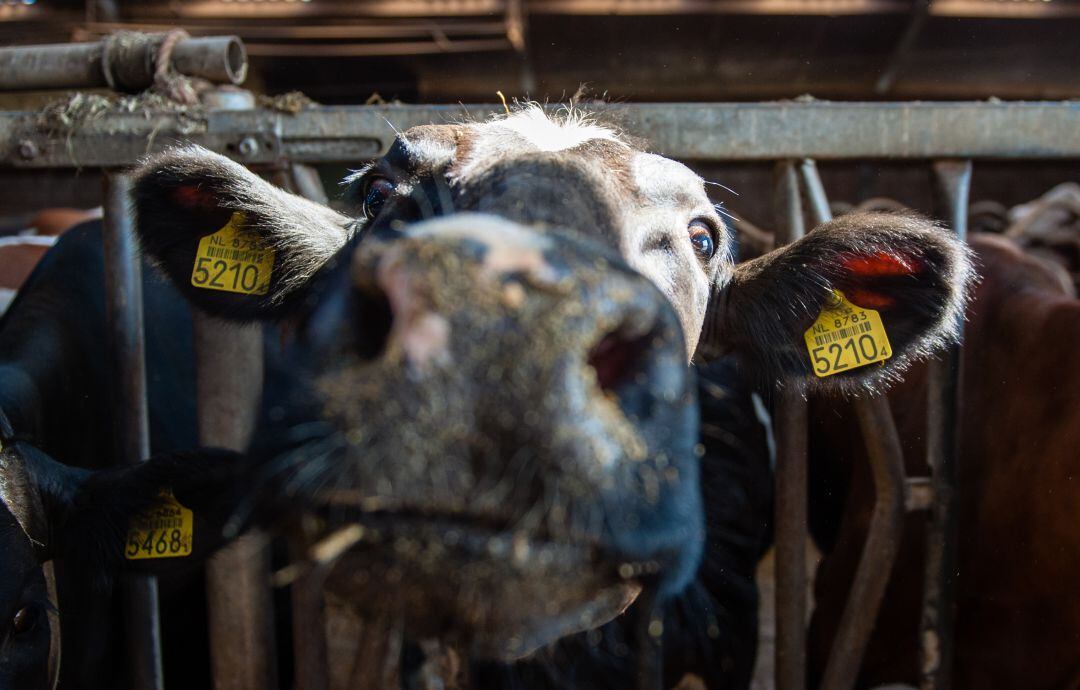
559	131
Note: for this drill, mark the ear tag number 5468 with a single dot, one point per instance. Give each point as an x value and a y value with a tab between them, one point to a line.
233	260
164	531
846	336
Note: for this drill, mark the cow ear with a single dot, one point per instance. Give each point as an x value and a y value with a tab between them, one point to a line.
163	515
235	245
848	307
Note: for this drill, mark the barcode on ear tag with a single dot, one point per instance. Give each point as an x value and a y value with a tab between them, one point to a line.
164	531
846	336
233	260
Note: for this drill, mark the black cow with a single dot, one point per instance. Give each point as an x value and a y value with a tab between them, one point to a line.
482	414
59	499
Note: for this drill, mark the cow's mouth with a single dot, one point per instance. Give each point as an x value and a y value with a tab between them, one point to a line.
499	593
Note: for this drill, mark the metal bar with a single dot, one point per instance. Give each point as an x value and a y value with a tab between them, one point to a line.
791	515
228	385
716	131
803	8
124	60
880	548
229	376
221	59
386	48
953	183
649	632
124	315
379	29
311	654
920	10
729	7
887	522
337	9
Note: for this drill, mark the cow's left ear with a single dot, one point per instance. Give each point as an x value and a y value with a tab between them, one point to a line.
161	515
848	307
233	244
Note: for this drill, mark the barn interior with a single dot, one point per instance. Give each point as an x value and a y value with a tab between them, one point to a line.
461	53
468	51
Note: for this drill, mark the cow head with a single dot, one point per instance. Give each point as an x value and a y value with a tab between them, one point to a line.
484	407
572	173
49	510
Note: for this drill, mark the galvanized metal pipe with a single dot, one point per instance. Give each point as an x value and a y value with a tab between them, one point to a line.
311	654
124	61
791	515
692	131
887	522
953	183
880	548
124	316
228	385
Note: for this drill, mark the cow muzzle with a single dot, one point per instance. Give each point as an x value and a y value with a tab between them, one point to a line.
513	423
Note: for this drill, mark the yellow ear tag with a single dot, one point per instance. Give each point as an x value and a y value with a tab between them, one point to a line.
164	531
846	336
233	260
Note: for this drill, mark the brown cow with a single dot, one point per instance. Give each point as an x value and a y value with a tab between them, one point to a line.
1018	616
20	253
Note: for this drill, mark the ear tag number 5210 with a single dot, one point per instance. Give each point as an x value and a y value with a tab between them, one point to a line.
846	336
233	260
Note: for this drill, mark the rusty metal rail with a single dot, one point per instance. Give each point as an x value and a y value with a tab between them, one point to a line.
123	61
124	312
717	131
953	182
887	522
791	501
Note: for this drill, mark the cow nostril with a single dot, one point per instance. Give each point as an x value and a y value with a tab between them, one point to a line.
374	319
618	357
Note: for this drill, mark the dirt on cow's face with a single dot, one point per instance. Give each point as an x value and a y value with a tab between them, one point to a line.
559	172
507	437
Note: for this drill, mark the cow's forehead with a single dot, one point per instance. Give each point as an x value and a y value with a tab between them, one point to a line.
465	149
470	147
662	181
535	130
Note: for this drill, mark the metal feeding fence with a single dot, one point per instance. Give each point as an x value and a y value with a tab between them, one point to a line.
949	136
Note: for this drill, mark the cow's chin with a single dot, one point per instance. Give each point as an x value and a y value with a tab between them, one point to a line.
496	596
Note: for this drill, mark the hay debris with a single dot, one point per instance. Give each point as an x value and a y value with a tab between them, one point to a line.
64	116
290	103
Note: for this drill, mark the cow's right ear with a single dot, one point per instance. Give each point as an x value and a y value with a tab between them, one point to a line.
235	245
846	308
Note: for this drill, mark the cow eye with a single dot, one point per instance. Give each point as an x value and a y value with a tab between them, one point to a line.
702	236
378	191
25	620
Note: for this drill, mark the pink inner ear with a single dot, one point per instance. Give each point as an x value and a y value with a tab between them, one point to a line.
868	299
880	264
876	265
194	196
